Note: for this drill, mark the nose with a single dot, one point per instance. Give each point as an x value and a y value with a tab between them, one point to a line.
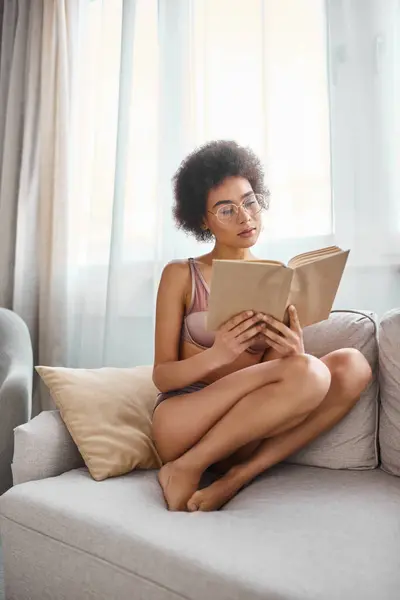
243	215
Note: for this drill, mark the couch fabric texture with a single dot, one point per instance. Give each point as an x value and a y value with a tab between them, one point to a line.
389	428
38	455
352	443
297	533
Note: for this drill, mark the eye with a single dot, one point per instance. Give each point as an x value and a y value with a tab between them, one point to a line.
226	211
249	202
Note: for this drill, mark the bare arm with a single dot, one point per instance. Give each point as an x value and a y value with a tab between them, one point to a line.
231	339
169	372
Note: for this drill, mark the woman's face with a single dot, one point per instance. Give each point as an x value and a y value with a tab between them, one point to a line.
233	213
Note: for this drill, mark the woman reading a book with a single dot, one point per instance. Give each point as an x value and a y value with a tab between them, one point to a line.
245	398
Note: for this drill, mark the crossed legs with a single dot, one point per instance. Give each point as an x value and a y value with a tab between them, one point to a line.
265	412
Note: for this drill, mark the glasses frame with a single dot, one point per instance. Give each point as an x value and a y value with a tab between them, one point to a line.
237	207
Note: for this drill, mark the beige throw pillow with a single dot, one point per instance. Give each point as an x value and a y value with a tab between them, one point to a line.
108	414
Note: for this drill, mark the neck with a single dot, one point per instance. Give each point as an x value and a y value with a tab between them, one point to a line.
221	252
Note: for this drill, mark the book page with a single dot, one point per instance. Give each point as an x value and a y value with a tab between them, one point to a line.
237	286
267	262
315	285
307	257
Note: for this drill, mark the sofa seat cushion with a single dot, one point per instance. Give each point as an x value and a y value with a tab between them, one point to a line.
295	533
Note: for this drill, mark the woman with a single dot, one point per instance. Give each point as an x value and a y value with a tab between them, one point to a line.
247	397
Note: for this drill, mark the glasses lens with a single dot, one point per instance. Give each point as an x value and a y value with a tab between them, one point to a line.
226	213
252	205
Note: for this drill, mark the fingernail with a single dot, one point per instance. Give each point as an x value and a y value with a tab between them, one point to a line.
250	313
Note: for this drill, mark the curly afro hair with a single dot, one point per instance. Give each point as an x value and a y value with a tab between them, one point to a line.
206	168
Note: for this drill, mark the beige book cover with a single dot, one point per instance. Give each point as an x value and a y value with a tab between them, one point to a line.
309	281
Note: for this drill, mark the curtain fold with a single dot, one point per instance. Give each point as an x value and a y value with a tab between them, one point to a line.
1	22
12	93
28	230
37	60
125	94
54	176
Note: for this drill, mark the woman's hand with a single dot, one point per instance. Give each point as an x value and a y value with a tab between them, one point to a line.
286	341
236	335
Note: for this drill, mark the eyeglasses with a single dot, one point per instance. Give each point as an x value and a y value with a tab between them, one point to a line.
228	213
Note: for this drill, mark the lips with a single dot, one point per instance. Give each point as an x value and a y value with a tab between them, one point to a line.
247	232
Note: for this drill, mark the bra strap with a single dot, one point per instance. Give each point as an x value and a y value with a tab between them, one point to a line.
193	278
199	275
199	297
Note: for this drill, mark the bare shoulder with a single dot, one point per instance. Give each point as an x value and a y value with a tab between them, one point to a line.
175	278
176	270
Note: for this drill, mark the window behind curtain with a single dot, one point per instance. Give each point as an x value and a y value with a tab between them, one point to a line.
260	74
254	71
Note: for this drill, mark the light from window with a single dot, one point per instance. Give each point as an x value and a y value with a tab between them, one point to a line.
256	72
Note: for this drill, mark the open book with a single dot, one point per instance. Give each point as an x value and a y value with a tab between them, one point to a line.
310	282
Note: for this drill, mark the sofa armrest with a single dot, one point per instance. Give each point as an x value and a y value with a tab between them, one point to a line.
43	448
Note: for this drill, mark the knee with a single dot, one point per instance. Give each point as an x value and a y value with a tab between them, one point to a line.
309	378
350	371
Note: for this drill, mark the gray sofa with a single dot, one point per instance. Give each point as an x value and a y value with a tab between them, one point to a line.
297	532
16	367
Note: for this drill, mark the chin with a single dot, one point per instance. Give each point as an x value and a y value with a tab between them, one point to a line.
247	242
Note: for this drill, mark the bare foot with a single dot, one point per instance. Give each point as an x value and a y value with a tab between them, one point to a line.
178	485
217	494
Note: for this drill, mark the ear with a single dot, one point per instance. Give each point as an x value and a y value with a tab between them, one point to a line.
204	225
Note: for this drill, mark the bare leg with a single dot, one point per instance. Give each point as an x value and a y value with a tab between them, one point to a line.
350	374
255	416
180	422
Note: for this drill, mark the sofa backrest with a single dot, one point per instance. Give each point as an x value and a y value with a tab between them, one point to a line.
352	443
389	366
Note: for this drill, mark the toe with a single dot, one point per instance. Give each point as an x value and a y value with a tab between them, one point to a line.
193	503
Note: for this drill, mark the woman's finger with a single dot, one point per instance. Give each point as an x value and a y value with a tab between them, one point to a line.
278	347
294	319
246	324
236	320
281	327
250	333
275	337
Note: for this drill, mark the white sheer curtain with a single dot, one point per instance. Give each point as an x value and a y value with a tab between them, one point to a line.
364	58
157	79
